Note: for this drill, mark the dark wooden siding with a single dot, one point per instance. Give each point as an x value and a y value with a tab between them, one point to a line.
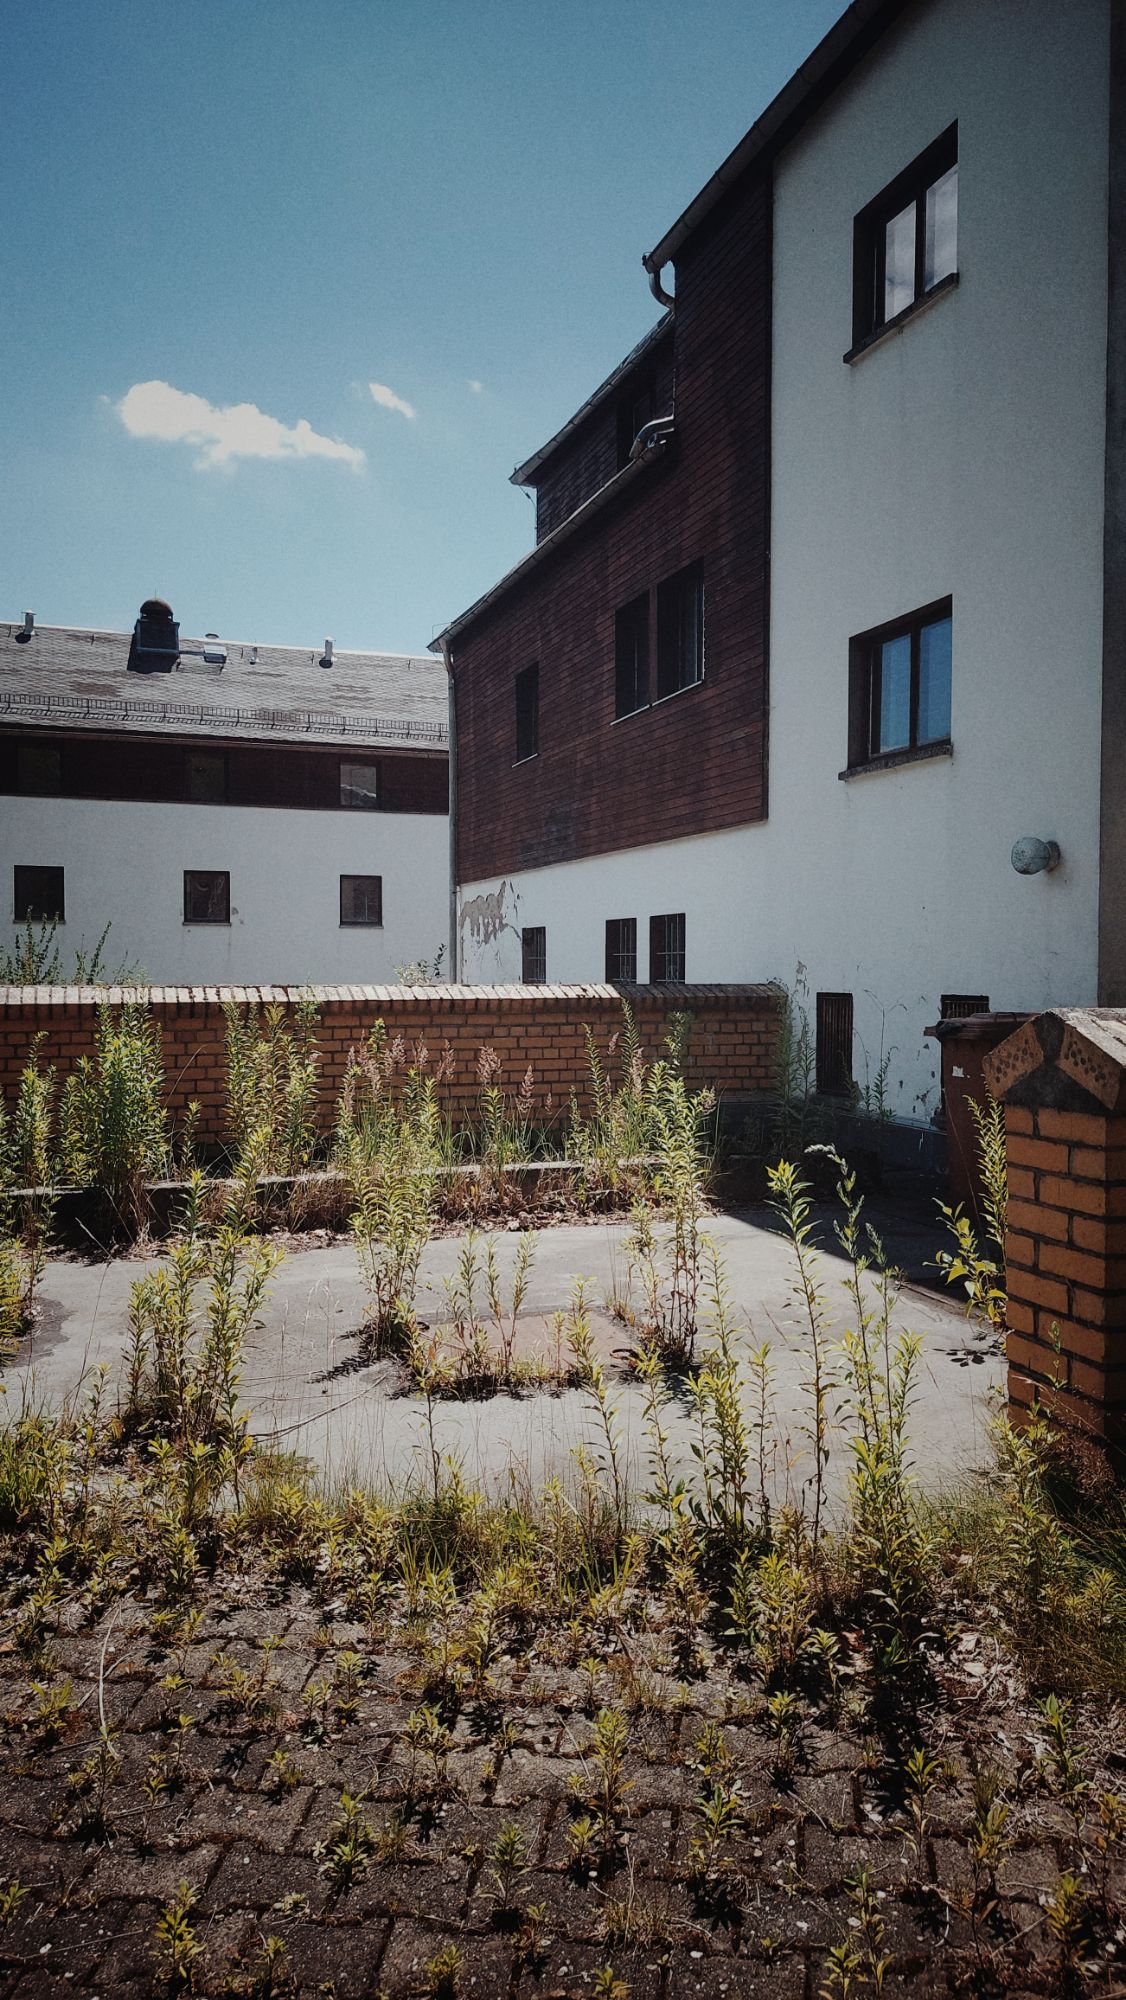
258	774
693	764
590	455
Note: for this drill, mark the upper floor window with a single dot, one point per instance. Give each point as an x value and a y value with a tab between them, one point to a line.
680	631
206	772
631	657
621	949
899	686
207	896
527	713
905	243
359	786
38	895
666	948
533	955
39	768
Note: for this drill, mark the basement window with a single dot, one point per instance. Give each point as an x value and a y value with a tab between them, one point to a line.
905	243
527	713
38	895
680	631
359	786
621	950
206	775
207	896
631	657
666	949
533	955
899	689
361	899
39	769
834	1044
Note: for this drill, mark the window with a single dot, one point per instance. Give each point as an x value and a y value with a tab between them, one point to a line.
905	243
621	949
834	1044
527	713
680	631
631	657
959	1006
39	895
899	688
359	786
636	409
207	896
533	955
361	899
666	949
206	774
38	768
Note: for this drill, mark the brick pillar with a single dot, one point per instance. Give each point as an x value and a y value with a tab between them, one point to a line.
1062	1081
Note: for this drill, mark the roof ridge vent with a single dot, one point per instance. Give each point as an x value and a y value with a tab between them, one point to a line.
214	654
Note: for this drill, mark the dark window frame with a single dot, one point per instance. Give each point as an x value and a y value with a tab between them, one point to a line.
221	874
667	958
39	791
621	951
836	1030
865	668
526	702
359	764
533	955
199	798
869	243
671	593
631	657
362	923
25	909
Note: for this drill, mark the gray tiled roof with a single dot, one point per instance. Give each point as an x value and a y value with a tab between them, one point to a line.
67	679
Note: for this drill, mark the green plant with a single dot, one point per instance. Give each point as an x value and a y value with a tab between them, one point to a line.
859	1962
978	1264
349	1844
114	1129
272	1079
12	1895
443	1972
176	1946
508	1863
790	1199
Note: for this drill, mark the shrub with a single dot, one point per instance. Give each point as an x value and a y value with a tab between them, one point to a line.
113	1124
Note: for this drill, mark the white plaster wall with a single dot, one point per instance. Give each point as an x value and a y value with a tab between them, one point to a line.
125	865
963	456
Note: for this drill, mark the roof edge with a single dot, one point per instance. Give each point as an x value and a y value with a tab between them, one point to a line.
523	473
847	42
270	645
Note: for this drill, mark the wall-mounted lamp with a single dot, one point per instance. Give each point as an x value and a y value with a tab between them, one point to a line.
1033	857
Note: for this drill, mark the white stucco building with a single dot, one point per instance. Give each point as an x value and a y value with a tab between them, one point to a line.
236	813
943	624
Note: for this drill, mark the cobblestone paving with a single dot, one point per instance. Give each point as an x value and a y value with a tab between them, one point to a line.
225	1758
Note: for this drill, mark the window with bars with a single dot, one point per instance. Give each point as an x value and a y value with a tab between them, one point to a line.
38	895
834	1044
631	657
666	949
905	242
621	950
899	687
959	1006
533	955
207	896
361	899
680	631
527	713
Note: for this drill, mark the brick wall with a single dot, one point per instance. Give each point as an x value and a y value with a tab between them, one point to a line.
696	762
733	1044
1062	1080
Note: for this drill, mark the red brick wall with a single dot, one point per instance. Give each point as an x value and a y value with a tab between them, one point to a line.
733	1044
694	763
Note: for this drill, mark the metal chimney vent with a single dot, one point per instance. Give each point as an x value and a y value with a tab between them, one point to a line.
156	639
214	654
326	656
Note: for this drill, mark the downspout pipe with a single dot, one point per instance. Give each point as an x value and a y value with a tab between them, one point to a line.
448	658
659	430
662	297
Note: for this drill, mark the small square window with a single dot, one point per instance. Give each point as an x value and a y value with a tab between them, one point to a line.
359	786
533	955
834	1044
39	895
207	896
527	713
680	631
899	686
905	243
666	949
621	950
206	774
39	768
631	657
361	899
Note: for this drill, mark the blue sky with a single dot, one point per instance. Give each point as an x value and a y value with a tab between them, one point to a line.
227	219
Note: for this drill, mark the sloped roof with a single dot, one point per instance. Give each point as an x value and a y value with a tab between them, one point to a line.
66	678
524	474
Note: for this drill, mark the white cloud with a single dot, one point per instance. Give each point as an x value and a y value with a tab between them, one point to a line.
241	430
387	400
476	386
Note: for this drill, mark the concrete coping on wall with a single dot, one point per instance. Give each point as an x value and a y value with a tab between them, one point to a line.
1069	1059
691	997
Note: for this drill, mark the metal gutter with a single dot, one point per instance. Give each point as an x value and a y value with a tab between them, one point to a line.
523	475
847	41
447	656
571	526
